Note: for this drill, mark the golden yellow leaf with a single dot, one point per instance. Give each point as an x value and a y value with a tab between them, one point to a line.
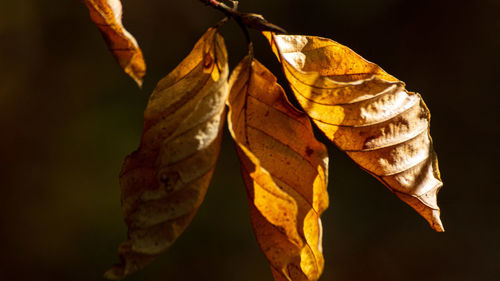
107	16
164	182
285	171
368	114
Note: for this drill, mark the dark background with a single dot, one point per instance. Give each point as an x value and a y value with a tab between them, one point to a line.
69	116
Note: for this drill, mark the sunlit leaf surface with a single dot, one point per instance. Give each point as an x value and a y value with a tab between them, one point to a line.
285	172
368	114
164	182
107	16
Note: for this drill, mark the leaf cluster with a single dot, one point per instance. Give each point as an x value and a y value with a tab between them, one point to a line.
359	107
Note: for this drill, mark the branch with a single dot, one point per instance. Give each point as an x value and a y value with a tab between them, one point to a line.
254	21
230	12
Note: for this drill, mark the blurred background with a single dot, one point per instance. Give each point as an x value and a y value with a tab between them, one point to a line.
69	116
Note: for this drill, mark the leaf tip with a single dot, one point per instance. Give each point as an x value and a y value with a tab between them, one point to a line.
136	69
432	216
430	212
138	81
435	221
115	273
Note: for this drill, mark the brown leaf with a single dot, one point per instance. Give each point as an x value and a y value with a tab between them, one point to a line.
164	182
367	113
107	16
285	172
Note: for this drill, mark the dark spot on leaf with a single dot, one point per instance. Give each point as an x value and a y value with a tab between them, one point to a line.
309	151
170	180
207	61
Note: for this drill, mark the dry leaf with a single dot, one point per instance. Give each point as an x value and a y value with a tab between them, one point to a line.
367	113
164	182
285	172
107	15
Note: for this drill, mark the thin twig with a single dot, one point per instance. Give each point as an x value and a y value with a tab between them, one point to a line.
244	29
248	20
230	12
